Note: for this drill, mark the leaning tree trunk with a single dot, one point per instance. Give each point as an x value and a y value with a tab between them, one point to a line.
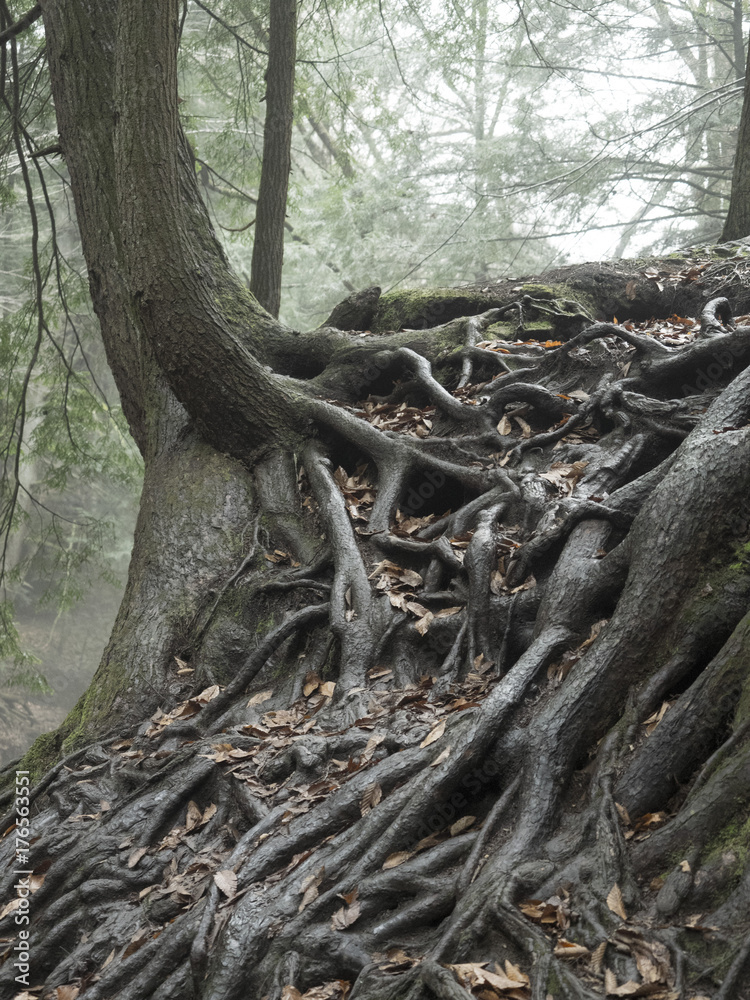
462	611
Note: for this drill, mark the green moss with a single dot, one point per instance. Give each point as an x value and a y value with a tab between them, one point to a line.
741	558
41	756
743	707
714	954
423	309
566	298
554	986
89	715
728	849
265	625
500	331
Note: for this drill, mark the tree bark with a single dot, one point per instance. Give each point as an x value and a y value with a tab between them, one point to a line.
268	247
737	225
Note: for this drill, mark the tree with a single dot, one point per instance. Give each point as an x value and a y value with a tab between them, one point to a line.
586	572
268	246
737	225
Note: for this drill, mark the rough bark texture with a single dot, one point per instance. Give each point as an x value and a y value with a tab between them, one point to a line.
268	246
442	625
737	225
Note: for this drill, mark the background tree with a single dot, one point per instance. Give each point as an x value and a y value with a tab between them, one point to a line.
268	245
501	580
737	225
69	474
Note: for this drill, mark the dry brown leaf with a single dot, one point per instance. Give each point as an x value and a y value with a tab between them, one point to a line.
260	697
653	961
290	993
424	623
433	735
504	426
226	882
374	741
309	888
441	757
328	688
615	903
513	972
67	992
597	958
474	974
336	990
570	950
526	431
345	917
371	796
136	856
194	816
462	824
137	941
623	813
207	694
9	907
394	860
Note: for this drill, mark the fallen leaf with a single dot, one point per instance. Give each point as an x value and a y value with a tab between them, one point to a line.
137	941
570	950
462	824
394	860
226	882
597	958
136	856
309	888
433	735
441	757
371	796
615	903
67	992
260	697
345	917
504	426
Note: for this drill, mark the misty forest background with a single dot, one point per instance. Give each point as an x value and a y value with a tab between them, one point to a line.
435	144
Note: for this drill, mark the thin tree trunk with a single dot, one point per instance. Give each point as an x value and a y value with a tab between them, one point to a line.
268	249
737	225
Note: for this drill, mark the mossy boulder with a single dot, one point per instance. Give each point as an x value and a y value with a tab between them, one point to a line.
422	309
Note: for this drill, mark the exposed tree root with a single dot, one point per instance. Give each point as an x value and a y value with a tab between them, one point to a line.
487	740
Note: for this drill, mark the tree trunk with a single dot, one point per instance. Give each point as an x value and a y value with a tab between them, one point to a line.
446	625
268	247
737	226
